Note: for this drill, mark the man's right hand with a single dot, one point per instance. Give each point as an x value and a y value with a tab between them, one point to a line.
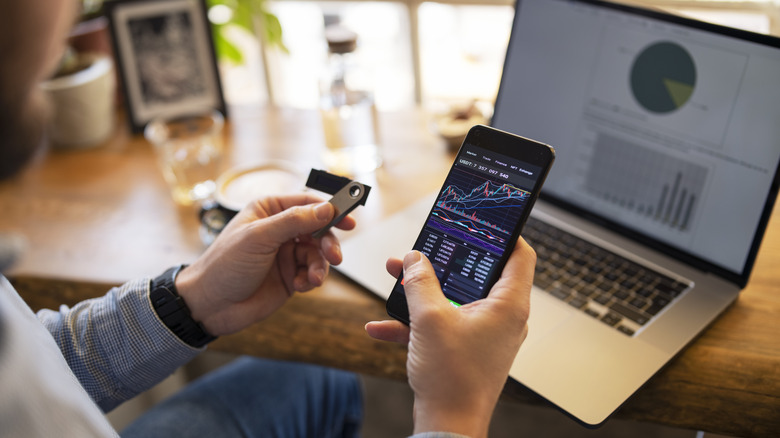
459	358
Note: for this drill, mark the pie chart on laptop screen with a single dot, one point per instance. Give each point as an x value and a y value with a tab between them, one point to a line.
663	77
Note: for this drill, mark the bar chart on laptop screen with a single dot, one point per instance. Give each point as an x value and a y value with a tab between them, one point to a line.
650	184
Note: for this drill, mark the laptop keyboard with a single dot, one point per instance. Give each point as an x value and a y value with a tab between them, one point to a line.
604	285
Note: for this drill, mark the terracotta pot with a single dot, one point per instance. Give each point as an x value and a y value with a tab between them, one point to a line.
91	36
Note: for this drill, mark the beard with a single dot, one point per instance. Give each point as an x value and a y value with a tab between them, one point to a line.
22	126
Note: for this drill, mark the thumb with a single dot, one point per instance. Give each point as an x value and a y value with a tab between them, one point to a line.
296	221
421	286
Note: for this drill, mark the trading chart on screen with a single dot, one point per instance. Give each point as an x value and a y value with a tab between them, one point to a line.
470	226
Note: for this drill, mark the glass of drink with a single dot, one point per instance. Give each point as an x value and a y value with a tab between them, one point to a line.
350	126
349	116
189	153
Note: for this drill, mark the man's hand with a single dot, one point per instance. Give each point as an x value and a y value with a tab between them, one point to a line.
264	255
459	358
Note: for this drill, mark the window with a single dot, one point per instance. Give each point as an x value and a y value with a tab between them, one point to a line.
420	52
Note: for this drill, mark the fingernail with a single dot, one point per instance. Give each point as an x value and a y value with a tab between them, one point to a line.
411	258
337	250
323	211
319	275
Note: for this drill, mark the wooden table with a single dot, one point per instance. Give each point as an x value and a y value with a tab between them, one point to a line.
99	217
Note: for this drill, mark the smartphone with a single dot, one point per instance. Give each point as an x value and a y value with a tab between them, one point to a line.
479	214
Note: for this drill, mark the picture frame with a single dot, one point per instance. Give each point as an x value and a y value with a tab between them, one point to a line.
165	58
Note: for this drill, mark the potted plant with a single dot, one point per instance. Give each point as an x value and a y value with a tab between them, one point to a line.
83	89
251	15
90	33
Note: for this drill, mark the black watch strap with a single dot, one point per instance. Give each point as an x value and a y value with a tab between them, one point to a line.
173	311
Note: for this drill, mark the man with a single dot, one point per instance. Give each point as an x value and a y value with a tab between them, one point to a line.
60	370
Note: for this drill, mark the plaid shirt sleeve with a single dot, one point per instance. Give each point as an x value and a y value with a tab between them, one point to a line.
116	345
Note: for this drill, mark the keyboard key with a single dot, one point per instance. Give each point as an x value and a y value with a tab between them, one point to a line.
647	278
656	305
543	283
622	294
588	290
632	270
578	302
645	292
606	286
558	263
580	261
660	301
592	312
639	303
670	287
611	319
625	330
629	313
560	293
589	278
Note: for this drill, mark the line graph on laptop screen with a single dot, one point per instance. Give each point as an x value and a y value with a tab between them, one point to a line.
478	210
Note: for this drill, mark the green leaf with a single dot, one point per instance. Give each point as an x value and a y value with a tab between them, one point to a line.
225	48
272	29
245	12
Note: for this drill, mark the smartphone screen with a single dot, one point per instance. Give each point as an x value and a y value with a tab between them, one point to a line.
478	214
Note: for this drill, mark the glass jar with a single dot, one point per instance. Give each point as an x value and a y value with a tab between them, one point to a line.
349	115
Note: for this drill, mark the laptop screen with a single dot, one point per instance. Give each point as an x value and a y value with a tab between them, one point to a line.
665	128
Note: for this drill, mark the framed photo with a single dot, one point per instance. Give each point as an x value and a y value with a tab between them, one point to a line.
165	58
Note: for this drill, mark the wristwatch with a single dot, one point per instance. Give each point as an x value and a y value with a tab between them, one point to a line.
173	311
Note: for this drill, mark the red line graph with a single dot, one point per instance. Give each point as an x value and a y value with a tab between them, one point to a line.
471	211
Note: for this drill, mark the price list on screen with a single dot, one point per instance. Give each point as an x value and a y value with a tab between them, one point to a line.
462	270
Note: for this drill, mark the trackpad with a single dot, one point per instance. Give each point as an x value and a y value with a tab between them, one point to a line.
547	313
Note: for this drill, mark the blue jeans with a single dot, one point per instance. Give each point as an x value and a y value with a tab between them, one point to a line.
259	398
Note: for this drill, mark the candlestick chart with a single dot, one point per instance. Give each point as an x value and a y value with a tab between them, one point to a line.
478	210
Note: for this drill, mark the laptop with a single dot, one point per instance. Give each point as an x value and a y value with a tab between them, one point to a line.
667	141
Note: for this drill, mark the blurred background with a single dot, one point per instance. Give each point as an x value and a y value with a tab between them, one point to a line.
418	52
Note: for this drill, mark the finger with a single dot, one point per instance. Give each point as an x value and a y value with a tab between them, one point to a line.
331	248
301	281
294	221
516	281
276	204
287	266
312	268
391	331
318	267
394	266
348	223
421	286
519	269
